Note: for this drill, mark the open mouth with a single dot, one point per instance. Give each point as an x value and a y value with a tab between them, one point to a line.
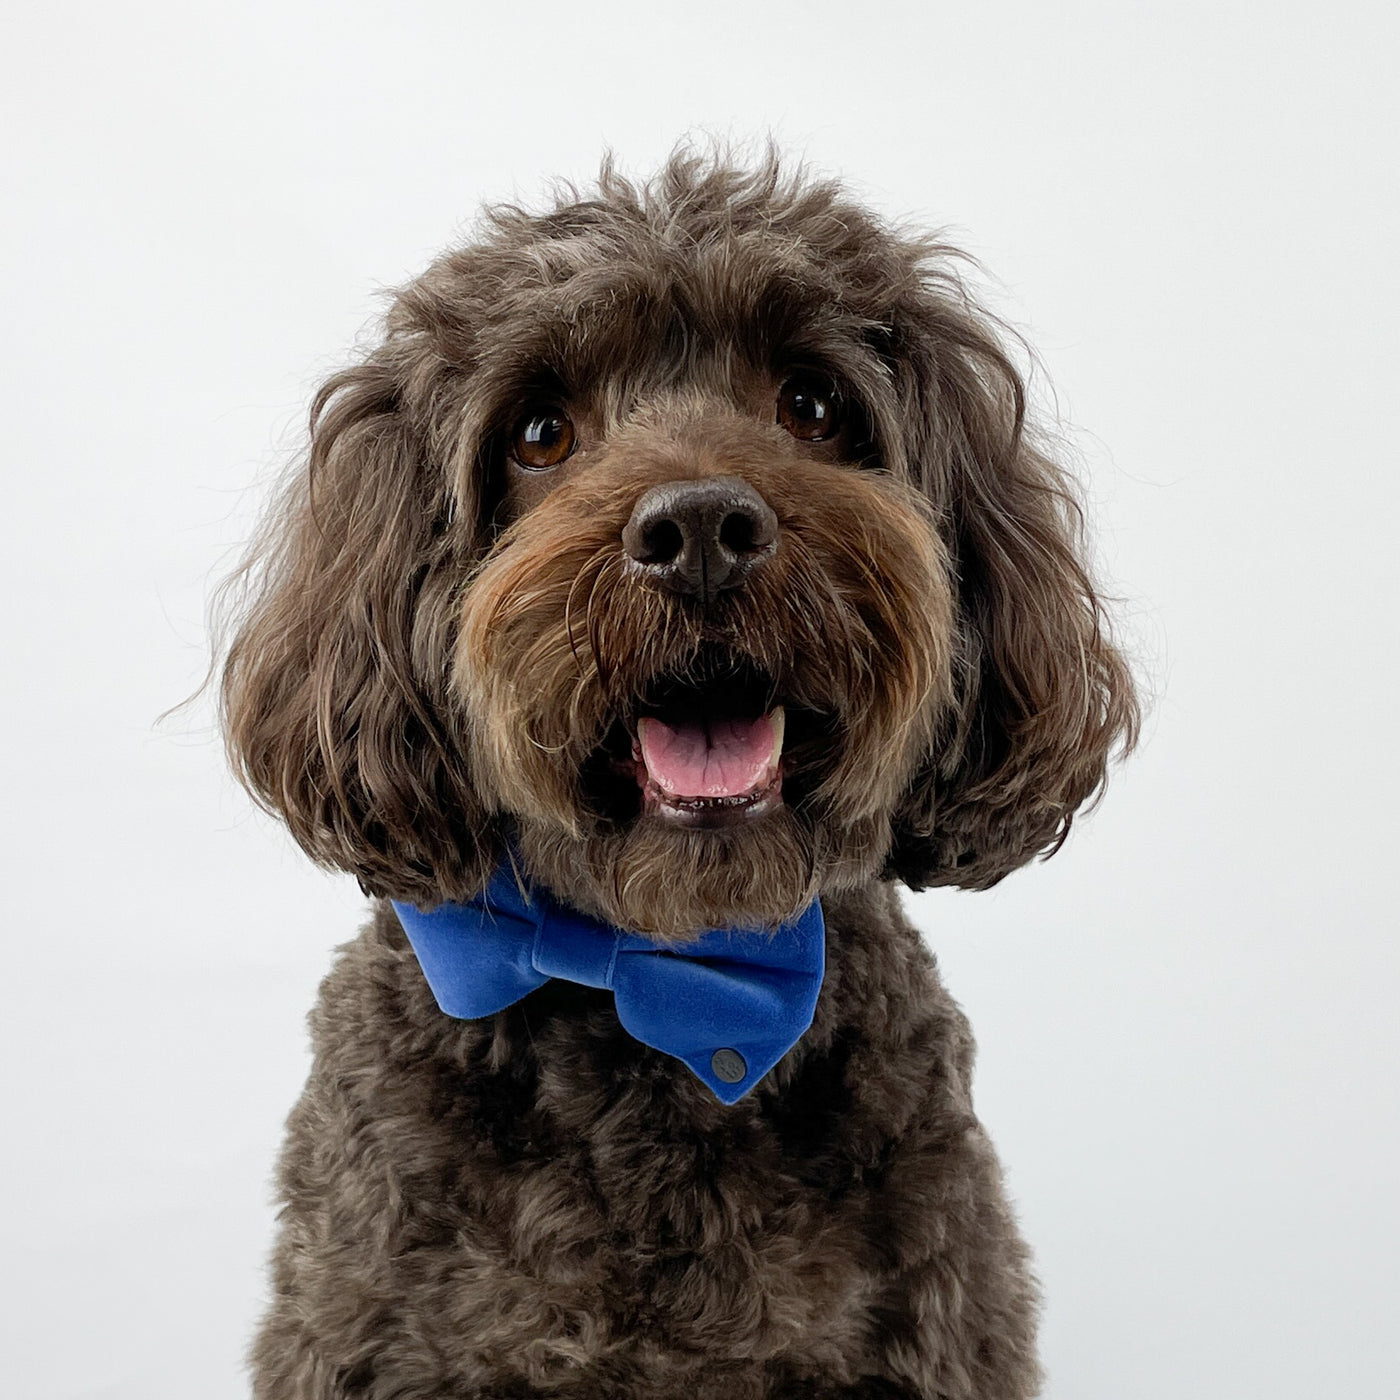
704	749
709	768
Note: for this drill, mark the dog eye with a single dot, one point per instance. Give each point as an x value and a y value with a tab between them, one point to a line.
542	439
809	408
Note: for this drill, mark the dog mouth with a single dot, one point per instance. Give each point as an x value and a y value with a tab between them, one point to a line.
707	747
705	767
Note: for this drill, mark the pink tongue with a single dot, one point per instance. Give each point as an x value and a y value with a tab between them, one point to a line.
721	758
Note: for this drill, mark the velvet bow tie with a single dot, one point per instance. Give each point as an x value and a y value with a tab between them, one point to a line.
730	1004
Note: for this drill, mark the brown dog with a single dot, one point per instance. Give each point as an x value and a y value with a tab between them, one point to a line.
687	546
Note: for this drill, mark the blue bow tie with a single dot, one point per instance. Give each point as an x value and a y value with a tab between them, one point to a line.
730	1004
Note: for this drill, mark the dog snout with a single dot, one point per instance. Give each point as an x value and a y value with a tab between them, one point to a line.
700	538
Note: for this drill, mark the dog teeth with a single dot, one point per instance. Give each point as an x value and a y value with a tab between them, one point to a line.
777	718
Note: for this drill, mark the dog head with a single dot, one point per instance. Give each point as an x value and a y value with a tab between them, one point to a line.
690	537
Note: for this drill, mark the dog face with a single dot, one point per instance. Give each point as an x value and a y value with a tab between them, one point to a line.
689	536
701	667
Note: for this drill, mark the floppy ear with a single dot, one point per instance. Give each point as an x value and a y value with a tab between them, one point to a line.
1041	697
334	687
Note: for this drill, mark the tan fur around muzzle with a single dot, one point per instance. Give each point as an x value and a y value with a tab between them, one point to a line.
561	635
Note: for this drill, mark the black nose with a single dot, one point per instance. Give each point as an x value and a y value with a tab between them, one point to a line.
701	537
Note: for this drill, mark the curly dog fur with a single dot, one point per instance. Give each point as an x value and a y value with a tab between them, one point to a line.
445	649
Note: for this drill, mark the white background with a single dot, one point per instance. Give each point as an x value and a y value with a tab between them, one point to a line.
1188	1019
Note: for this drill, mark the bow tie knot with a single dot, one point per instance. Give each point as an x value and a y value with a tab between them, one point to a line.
730	1004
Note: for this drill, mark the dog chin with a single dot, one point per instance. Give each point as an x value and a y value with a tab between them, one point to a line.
674	878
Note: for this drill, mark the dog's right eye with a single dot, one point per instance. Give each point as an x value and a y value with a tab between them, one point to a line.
809	408
542	439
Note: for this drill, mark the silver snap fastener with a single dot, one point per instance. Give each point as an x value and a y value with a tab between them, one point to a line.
728	1065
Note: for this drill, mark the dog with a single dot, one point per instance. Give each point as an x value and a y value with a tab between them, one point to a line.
678	576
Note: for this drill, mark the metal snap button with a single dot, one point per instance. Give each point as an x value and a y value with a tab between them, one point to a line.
728	1065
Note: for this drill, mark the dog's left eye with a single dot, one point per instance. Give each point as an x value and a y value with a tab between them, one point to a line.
809	408
542	439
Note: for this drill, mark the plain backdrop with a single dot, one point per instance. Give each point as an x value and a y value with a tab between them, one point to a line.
1187	1019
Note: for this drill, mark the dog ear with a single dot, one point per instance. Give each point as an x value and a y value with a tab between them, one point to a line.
1041	698
334	686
